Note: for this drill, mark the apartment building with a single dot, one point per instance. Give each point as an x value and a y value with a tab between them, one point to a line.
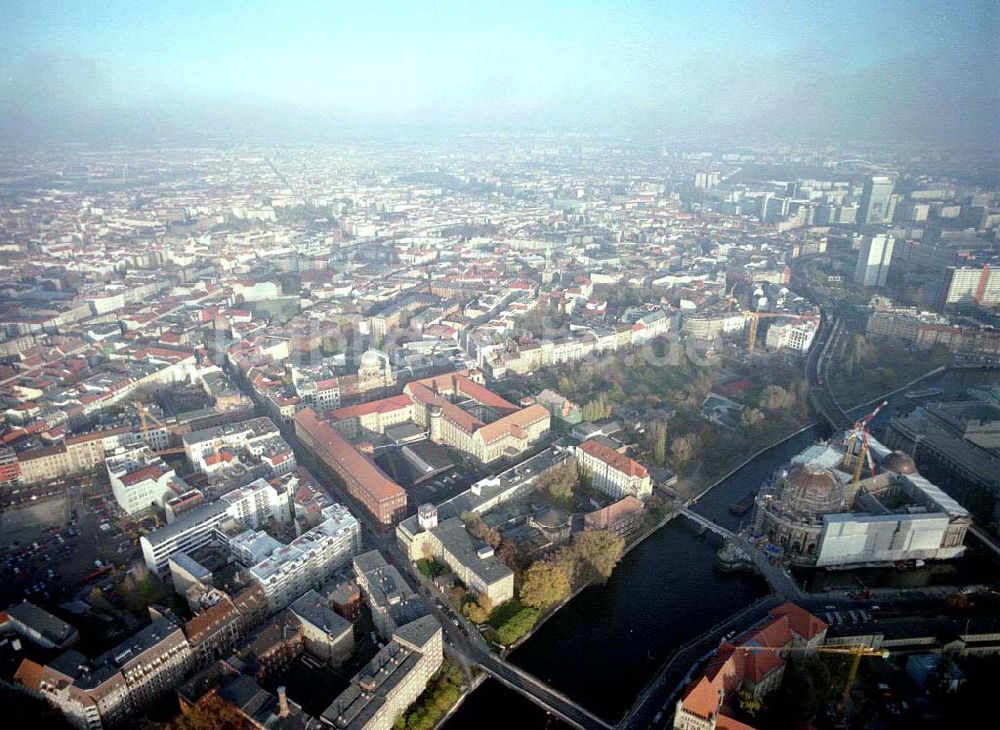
796	336
391	681
192	530
214	631
140	479
393	603
105	691
311	558
256	440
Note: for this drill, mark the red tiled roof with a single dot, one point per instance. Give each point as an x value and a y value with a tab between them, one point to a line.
148	472
209	620
614	459
385	405
372	479
800	621
759	664
460	383
514	423
425	396
724	722
29	674
702	700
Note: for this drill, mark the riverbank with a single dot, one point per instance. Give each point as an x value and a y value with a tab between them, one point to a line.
552	611
760	452
936	371
604	647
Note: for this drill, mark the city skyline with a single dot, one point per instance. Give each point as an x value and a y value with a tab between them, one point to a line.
598	365
177	72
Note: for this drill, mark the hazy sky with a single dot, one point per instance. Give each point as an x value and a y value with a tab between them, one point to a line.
774	70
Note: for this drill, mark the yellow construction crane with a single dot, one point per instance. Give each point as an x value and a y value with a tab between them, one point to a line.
755	318
857	651
143	415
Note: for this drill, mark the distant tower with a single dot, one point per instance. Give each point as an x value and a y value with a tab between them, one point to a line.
437	422
427	516
548	274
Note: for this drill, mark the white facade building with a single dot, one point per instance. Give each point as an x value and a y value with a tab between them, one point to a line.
139	479
797	336
312	557
874	258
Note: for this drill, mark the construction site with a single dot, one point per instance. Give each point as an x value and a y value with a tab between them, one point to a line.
852	502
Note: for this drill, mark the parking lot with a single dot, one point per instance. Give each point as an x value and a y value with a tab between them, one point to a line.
47	548
441	486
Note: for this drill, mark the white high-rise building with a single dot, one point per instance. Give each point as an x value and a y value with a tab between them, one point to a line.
876	200
874	258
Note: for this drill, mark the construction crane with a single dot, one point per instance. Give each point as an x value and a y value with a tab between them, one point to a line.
143	415
858	437
730	299
755	318
856	651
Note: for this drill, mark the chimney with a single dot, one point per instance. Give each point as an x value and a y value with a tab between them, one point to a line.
282	702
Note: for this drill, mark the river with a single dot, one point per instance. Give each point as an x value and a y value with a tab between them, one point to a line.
604	645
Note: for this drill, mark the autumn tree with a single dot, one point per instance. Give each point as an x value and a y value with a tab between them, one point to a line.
456	597
598	552
479	529
597	408
682	449
776	398
658	439
558	484
855	352
545	584
751	417
211	713
566	558
511	555
478	611
748	703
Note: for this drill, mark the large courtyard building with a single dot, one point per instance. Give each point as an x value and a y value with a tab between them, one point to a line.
459	411
378	494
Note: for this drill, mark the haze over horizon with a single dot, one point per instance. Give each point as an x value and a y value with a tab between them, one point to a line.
884	71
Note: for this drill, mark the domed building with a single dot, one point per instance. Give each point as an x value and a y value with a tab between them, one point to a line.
374	374
818	512
790	511
553	523
899	463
